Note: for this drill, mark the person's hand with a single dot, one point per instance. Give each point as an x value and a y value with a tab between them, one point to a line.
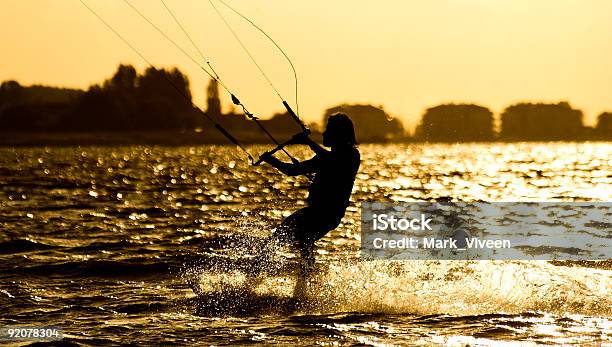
265	157
300	139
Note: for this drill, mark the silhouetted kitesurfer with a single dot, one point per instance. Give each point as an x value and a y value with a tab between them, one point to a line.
329	193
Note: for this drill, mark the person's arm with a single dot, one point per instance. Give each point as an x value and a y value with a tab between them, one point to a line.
288	169
303	138
318	149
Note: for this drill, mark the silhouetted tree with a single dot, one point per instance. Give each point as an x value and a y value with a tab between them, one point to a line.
604	125
97	110
456	122
125	80
34	108
540	121
8	86
27	117
119	98
372	124
282	123
10	93
237	123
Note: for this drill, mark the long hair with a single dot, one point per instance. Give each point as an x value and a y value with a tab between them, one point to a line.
341	126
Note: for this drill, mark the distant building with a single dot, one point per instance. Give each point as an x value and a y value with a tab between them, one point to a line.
456	122
212	98
372	124
539	121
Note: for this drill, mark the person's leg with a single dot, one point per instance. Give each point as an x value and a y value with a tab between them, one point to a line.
317	224
305	267
285	234
307	259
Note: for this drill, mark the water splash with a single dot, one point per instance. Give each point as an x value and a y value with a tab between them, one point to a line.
424	288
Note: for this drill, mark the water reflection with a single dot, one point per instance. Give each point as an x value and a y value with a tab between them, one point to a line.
101	234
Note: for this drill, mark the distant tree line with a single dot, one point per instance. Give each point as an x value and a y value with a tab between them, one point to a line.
160	100
464	122
372	124
542	122
519	122
127	101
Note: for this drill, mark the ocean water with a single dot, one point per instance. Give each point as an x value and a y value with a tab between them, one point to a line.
112	243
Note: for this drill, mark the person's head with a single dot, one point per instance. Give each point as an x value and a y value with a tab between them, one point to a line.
339	131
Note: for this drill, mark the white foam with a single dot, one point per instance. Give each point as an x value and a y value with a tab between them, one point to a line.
438	287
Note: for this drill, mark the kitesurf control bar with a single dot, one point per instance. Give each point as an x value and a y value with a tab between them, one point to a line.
272	151
281	146
251	116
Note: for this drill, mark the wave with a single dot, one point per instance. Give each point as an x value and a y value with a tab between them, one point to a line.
98	268
415	287
240	302
23	245
107	246
28	245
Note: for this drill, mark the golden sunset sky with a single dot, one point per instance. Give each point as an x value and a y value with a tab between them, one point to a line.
405	55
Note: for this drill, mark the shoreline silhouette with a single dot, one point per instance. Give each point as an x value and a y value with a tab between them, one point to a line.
142	108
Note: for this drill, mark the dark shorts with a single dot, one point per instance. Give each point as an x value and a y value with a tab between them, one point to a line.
307	225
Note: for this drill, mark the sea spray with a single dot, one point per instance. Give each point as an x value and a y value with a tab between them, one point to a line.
431	287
